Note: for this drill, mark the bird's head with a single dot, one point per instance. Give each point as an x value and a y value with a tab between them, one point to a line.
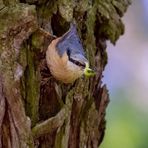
71	44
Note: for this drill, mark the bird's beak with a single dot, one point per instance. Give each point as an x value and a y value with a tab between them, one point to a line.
88	72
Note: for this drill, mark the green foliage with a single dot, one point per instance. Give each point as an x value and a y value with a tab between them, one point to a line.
127	126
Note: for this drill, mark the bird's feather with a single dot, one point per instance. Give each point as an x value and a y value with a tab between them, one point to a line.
70	43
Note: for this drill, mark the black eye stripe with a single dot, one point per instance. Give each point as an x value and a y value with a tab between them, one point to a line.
77	62
68	52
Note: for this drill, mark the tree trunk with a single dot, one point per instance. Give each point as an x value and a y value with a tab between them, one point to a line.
35	109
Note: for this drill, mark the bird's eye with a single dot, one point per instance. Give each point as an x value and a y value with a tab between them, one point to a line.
68	52
77	63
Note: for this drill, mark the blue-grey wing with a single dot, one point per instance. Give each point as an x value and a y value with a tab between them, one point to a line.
70	43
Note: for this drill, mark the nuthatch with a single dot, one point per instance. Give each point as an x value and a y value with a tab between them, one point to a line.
66	58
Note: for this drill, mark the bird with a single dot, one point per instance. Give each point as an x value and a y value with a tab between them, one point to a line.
66	58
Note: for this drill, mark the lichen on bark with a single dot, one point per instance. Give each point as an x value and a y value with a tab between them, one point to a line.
12	33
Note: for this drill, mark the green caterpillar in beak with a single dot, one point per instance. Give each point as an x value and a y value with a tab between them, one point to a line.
88	72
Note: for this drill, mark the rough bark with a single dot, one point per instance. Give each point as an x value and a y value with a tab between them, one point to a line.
35	109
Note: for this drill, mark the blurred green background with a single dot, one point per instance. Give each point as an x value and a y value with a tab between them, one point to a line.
126	76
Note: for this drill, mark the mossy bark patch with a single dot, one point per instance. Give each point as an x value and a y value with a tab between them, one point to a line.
17	23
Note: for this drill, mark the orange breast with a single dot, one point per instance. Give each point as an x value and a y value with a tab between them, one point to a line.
59	65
